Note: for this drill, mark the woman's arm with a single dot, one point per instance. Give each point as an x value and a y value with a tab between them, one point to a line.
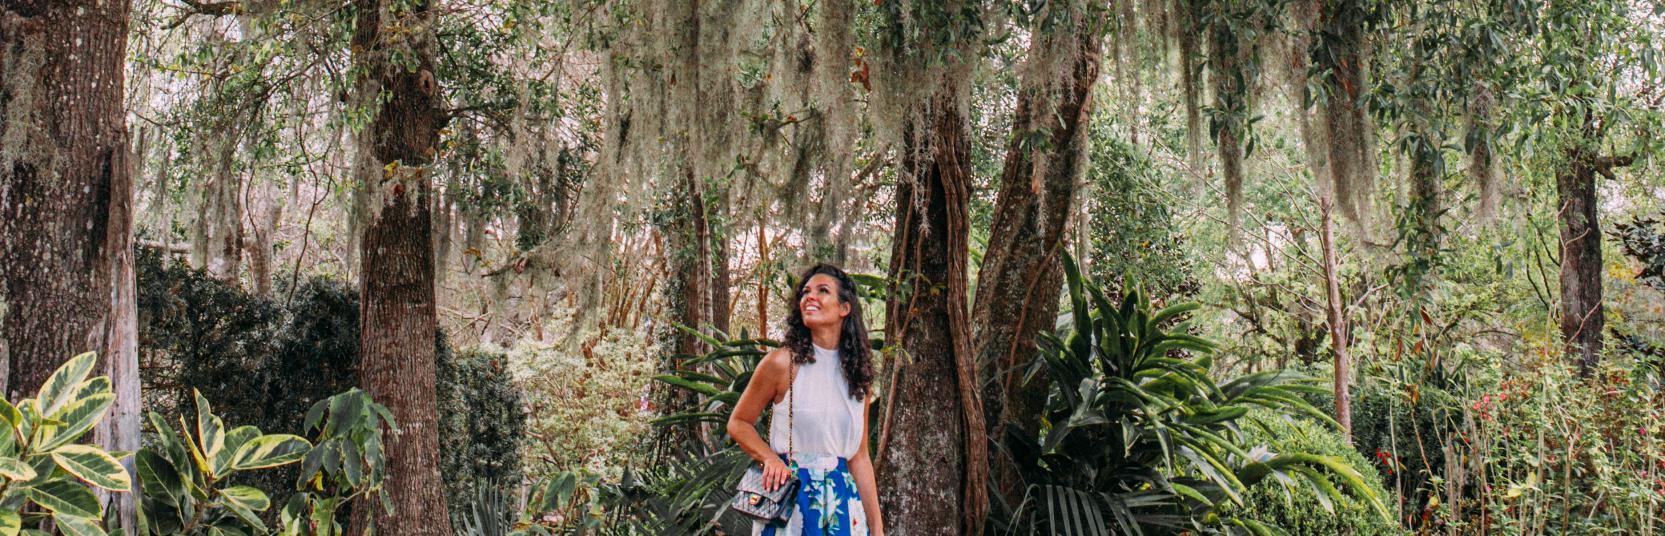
867	485
763	388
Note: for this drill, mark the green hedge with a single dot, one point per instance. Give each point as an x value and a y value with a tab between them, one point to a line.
1298	512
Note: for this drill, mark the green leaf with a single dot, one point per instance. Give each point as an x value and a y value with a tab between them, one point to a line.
93	465
210	430
247	497
65	497
243	502
697	387
159	477
234	440
77	525
270	451
15	469
10	523
62	385
77	417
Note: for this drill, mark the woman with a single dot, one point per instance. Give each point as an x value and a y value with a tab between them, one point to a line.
825	372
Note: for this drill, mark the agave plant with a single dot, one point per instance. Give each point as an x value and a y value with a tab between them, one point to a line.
1139	437
42	470
184	475
557	504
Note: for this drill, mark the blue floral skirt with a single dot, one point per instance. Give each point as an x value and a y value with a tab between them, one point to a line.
828	504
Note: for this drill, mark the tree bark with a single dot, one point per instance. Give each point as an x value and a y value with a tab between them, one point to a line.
1338	322
935	459
66	194
397	310
62	165
262	255
1021	276
1582	320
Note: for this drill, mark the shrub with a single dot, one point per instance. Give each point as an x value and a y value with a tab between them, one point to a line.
279	356
44	475
185	474
1299	511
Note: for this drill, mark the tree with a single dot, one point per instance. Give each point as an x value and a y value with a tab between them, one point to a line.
393	47
66	190
933	458
1021	275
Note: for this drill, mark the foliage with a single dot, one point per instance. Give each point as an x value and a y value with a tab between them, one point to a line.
280	359
1643	239
481	423
44	474
1133	228
584	401
348	463
1299	511
185	475
1140	438
1565	455
562	503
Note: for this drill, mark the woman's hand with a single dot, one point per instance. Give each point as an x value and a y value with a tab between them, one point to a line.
775	473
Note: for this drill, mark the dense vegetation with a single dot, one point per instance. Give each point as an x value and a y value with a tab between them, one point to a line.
497	267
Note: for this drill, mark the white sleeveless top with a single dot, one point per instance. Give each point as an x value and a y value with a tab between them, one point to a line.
829	421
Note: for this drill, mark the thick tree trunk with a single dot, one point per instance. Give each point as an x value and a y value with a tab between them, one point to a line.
1021	276
934	460
66	194
62	165
396	313
1582	319
1336	310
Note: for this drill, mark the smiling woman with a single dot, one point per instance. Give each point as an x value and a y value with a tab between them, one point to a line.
818	385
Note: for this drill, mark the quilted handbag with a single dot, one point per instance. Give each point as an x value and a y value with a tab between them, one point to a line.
752	499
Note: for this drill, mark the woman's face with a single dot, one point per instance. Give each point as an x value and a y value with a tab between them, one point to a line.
819	304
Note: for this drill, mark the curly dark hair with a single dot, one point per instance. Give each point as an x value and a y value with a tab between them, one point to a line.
853	351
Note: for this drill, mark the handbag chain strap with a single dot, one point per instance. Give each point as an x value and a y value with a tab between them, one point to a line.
791	408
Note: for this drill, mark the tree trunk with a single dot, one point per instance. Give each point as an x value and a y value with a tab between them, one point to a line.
933	465
1021	277
62	167
66	195
719	285
1582	319
262	255
1338	322
396	313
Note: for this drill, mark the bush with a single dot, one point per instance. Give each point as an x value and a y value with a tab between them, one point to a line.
1301	512
278	356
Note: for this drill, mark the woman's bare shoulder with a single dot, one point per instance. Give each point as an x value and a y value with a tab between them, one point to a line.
775	362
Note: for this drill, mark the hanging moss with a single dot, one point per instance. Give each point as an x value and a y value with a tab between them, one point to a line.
1481	167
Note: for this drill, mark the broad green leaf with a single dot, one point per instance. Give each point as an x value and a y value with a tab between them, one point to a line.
270	451
248	497
78	417
65	497
223	462
10	414
15	469
72	525
10	523
158	476
210	429
94	466
62	385
243	502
